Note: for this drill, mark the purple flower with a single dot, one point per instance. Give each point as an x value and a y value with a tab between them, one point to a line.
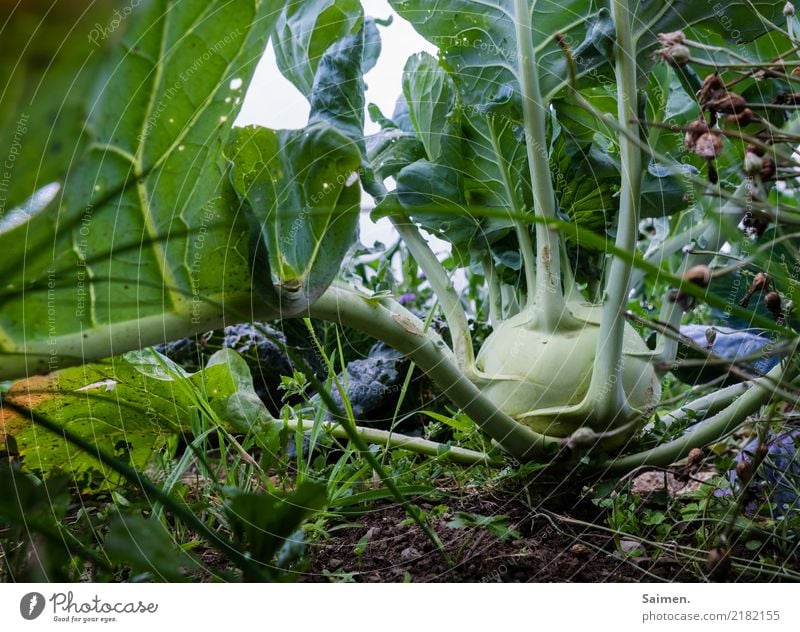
408	298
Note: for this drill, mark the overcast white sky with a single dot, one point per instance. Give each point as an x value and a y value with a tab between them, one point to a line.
274	102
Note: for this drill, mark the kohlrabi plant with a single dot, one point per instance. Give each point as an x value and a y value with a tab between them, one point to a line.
587	159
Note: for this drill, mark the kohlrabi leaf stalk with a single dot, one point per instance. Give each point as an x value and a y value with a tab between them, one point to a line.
550	311
454	312
606	377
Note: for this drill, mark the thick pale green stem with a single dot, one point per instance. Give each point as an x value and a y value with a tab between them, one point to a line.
668	341
571	291
390	322
710	404
394	440
454	312
511	306
551	313
712	429
42	355
521	228
607	365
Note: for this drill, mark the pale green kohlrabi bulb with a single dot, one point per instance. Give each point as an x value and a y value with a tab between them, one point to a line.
541	379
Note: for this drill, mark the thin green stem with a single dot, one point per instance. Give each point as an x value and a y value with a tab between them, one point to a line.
715	49
670	246
416	445
701	407
551	313
571	291
712	238
454	312
737	66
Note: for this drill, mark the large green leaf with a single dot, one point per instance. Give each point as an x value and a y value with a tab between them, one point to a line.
301	187
337	97
475	159
47	66
144	241
305	31
430	96
477	39
131	407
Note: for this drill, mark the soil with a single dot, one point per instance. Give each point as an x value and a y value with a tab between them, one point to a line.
383	547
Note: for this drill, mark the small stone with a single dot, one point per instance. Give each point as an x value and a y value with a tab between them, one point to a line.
409	554
629	546
580	550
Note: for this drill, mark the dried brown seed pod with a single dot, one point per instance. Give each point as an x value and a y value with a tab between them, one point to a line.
762	452
744	470
773	302
580	550
699	275
729	103
673	37
711	336
760	281
743	118
767	169
695	456
694	131
788	98
709	145
753	163
675	54
713	88
713	176
754	225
